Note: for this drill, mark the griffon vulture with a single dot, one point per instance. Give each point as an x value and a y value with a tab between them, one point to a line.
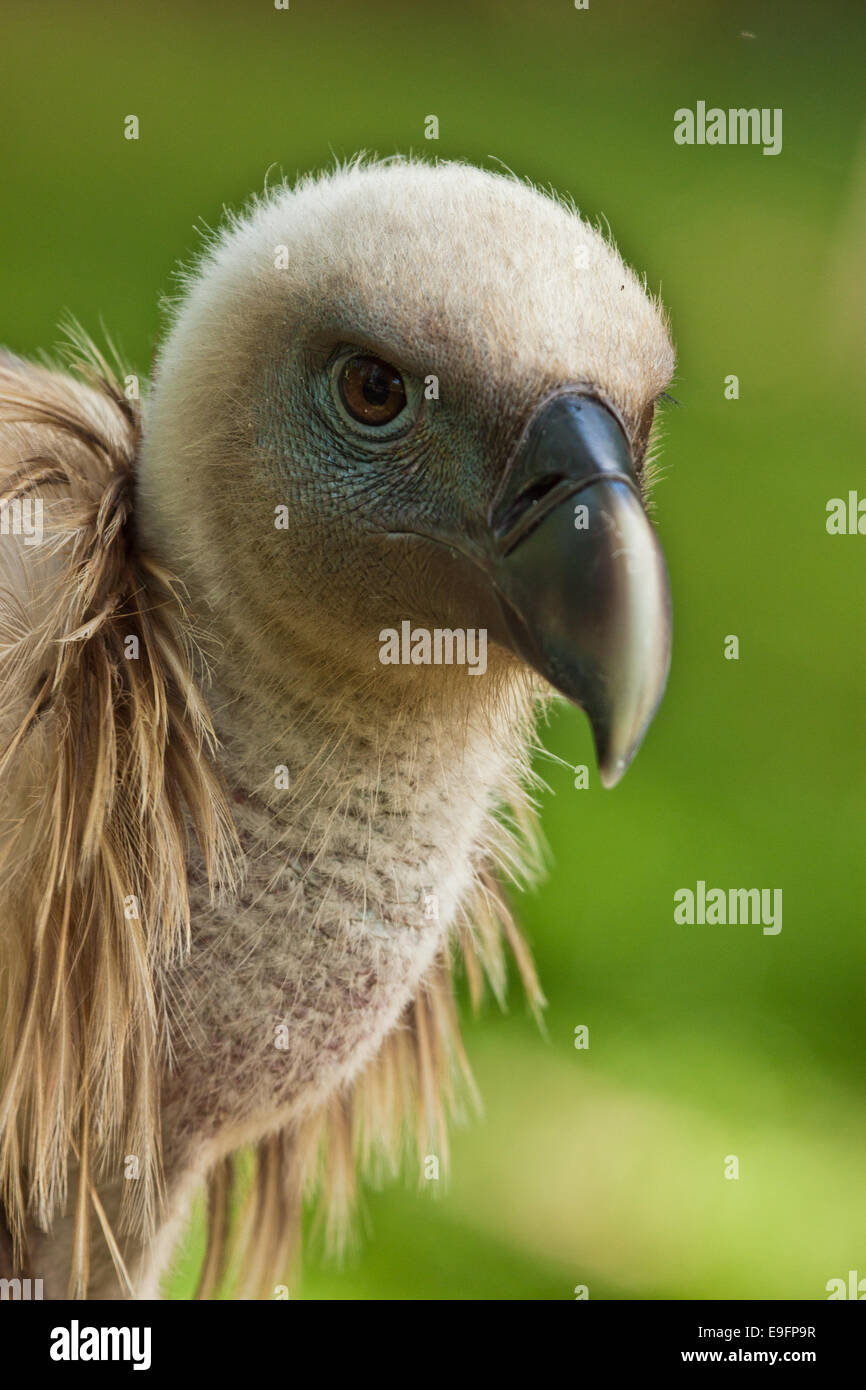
272	646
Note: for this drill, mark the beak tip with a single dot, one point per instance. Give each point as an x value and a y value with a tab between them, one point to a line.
610	773
612	767
616	751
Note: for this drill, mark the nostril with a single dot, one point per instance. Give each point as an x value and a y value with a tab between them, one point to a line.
526	500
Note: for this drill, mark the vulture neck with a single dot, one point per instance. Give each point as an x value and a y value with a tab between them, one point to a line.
364	828
365	820
388	799
363	831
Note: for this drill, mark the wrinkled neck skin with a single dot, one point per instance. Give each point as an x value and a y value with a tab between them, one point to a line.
353	873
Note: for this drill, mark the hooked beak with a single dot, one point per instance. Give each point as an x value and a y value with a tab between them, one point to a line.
565	570
579	573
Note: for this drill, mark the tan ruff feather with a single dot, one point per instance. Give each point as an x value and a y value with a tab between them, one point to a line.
109	764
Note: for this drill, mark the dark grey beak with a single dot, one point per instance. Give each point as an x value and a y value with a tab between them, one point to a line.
566	571
579	574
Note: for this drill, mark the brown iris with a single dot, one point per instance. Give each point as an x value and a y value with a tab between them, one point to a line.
372	390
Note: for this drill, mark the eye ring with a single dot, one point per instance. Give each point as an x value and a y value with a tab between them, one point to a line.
371	390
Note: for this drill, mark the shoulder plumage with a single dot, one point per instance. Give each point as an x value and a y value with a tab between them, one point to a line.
105	769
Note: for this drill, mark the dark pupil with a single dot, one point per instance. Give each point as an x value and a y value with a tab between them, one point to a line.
378	383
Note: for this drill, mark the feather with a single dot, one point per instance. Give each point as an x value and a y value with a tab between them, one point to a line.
106	767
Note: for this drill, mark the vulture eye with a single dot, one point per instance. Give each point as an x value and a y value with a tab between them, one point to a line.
371	390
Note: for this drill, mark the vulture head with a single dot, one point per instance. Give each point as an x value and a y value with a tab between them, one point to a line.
406	393
396	455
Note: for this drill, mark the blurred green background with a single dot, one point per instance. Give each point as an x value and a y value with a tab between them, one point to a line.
601	1167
